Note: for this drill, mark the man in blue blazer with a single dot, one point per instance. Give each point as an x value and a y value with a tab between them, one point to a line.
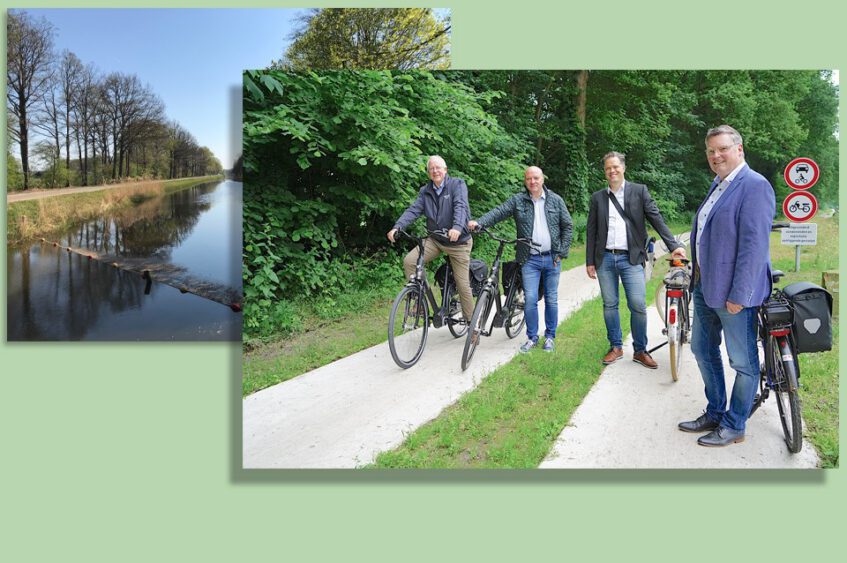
732	277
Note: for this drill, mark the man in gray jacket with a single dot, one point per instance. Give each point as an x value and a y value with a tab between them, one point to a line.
542	216
444	202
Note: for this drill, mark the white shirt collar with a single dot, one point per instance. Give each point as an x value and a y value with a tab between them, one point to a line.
623	186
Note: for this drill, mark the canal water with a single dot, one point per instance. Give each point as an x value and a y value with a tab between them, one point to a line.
188	242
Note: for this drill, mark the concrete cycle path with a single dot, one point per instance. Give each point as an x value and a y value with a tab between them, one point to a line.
629	420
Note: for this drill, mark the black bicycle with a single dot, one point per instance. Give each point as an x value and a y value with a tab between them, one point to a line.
510	313
780	372
409	321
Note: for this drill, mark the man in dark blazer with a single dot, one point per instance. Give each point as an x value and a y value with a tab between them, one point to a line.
730	248
614	251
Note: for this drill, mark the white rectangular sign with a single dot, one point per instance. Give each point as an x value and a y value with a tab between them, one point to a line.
800	233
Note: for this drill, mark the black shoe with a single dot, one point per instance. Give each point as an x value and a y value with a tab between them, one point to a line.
722	436
702	424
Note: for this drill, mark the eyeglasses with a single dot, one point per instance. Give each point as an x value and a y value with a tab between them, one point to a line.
720	150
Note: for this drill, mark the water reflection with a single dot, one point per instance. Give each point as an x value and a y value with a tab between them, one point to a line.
191	238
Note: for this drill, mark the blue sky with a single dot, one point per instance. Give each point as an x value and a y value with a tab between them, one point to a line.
191	58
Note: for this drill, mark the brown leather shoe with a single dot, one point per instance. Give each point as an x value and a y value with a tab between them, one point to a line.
613	355
645	360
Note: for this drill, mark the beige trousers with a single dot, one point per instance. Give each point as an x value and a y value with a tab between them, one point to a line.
460	261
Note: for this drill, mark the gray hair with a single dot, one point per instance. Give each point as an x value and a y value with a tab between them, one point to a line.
438	160
725	130
614	154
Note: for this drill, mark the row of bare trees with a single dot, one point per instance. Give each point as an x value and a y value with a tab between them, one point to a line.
87	128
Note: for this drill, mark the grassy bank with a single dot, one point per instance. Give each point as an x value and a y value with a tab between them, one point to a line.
50	216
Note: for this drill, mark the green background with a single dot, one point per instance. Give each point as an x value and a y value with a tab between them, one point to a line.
131	451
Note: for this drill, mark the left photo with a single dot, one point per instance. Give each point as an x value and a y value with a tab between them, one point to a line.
123	180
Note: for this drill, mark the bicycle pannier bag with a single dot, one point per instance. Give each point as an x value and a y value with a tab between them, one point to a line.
478	273
507	271
812	326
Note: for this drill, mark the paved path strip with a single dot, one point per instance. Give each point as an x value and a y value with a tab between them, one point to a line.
344	414
629	420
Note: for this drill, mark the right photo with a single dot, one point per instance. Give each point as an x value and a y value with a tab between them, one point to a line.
560	269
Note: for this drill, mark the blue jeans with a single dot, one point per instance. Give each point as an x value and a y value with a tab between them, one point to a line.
617	267
740	333
544	269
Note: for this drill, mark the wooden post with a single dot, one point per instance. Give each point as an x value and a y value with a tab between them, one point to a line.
829	280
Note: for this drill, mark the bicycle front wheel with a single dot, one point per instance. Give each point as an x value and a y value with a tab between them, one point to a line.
480	315
786	377
408	326
675	335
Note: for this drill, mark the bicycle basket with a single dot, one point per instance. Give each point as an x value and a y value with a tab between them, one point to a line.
677	278
777	313
812	325
508	270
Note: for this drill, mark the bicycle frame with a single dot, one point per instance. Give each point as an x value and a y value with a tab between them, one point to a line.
440	313
492	282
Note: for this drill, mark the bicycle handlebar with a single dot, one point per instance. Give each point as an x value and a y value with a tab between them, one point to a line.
441	232
777	226
525	241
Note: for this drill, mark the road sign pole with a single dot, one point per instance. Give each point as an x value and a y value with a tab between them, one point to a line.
797	258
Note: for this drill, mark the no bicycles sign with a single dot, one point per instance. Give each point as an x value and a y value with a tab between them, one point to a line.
800	206
801	173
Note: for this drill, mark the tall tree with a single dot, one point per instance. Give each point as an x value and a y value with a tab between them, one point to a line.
369	38
29	54
71	78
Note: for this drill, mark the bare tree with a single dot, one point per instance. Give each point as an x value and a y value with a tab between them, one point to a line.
29	54
71	79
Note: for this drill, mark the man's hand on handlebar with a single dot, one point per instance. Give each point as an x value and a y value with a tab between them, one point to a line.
453	235
391	234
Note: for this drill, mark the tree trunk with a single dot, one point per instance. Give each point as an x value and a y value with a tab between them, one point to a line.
582	90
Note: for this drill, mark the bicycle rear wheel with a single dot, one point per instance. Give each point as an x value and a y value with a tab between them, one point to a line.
786	372
675	335
456	321
659	301
515	319
480	315
408	325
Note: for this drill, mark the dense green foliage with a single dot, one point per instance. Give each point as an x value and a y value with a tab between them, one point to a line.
333	158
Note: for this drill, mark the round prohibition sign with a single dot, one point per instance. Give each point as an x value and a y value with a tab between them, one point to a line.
800	206
802	173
